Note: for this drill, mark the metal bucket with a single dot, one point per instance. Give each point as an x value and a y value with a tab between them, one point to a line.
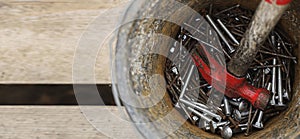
152	111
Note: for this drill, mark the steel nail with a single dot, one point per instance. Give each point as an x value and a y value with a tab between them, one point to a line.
285	48
267	81
239	25
237	33
200	105
259	62
286	94
265	66
249	122
195	118
192	96
259	124
273	82
227	107
289	85
228	32
279	55
273	39
199	114
203	95
242	105
187	82
213	126
221	114
238	116
254	116
280	100
248	76
245	120
198	87
228	9
239	130
204	125
195	29
245	17
226	132
186	113
185	72
230	48
189	104
288	80
226	54
243	125
243	114
235	123
205	43
269	86
284	68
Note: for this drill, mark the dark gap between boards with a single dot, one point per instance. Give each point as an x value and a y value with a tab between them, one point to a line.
54	94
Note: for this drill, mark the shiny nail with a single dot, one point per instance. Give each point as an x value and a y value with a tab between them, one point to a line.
187	82
199	114
230	48
213	126
226	132
242	105
279	55
235	123
227	107
189	104
280	100
249	122
273	82
228	32
228	9
259	124
204	125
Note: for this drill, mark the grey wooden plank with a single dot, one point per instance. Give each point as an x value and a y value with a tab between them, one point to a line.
58	122
38	38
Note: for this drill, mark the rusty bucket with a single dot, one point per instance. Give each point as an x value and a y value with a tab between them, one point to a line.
152	111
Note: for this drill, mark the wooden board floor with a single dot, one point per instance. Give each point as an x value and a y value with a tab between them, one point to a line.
38	38
56	122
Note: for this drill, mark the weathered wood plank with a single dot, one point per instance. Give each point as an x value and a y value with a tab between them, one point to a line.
57	122
38	38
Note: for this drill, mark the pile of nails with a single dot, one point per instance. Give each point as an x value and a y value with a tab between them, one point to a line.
272	69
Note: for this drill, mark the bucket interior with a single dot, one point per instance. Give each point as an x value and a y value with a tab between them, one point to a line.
284	125
287	123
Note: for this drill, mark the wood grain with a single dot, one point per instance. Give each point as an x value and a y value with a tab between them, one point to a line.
57	122
38	38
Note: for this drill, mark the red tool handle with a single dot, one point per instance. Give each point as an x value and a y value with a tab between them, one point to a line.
279	2
233	86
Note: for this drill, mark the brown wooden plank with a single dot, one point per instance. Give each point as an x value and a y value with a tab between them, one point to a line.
57	122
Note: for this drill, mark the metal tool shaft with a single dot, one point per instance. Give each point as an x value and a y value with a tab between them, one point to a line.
266	17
